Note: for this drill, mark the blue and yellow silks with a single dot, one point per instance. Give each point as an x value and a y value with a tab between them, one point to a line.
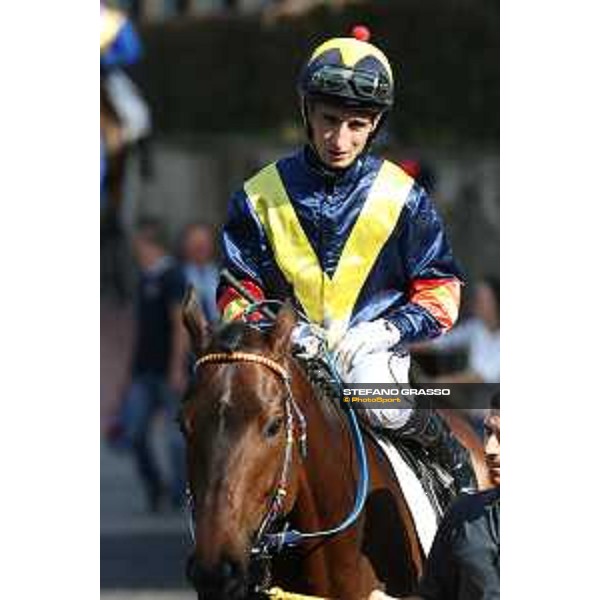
119	41
347	250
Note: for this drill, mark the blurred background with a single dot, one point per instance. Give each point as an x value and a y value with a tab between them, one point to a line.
208	97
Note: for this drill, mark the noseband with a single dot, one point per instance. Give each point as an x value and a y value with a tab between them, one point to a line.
292	413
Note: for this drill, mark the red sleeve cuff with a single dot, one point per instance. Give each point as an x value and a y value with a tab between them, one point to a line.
231	304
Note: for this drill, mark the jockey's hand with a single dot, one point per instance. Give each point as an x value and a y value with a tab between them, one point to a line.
308	340
362	339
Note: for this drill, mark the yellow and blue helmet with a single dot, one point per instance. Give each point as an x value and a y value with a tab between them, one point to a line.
349	70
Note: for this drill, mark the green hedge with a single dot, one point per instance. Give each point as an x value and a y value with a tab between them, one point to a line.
236	74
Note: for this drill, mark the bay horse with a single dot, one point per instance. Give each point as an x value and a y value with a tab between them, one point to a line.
241	421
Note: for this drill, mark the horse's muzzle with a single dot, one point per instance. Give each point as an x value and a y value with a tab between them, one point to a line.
226	581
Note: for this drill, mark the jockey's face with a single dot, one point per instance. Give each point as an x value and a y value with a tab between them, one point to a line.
340	134
492	445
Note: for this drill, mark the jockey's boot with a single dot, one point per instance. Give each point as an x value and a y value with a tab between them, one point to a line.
430	431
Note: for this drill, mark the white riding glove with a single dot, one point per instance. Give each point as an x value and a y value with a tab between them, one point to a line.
365	338
308	339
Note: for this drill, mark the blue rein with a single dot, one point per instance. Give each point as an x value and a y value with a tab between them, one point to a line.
293	537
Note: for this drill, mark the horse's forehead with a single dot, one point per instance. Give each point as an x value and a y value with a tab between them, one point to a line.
237	385
239	337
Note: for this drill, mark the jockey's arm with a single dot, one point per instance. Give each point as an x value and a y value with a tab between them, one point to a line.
457	338
434	276
244	249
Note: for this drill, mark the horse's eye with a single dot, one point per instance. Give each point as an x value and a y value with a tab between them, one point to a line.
273	427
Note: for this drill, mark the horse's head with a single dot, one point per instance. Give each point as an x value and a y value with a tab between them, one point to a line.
235	419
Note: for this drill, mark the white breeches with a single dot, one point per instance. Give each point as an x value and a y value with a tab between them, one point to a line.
388	368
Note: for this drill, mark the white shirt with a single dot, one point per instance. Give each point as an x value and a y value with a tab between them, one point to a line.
483	347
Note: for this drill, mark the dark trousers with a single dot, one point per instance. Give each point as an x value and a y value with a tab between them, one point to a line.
147	396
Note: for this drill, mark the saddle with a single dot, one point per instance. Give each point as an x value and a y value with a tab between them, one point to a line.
434	480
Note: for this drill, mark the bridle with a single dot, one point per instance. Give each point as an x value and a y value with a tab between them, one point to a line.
265	542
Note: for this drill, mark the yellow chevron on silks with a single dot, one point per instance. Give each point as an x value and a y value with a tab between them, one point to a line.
111	21
328	301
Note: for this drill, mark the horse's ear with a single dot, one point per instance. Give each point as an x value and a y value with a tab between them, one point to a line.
282	331
195	322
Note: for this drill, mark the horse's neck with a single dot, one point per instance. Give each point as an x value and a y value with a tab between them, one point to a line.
327	480
326	495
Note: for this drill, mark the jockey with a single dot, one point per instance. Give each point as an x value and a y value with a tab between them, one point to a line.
356	243
120	47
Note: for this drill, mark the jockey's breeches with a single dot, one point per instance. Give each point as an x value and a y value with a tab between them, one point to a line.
382	368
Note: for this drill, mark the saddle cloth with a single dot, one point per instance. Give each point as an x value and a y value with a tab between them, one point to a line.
422	511
425	509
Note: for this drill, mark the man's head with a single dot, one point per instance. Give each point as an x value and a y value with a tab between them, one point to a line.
340	134
492	439
353	79
197	243
149	242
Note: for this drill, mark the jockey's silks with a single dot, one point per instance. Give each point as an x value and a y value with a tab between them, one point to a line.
119	41
366	244
111	22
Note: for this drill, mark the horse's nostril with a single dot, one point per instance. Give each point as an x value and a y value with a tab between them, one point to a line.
224	581
226	569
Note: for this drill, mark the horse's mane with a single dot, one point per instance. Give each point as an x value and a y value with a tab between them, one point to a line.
236	336
330	404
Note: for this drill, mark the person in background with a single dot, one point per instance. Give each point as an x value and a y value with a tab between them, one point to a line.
121	47
464	562
479	335
197	252
158	375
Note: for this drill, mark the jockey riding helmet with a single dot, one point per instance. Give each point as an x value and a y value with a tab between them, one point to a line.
349	71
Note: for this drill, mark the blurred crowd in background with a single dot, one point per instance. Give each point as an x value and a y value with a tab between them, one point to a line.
157	370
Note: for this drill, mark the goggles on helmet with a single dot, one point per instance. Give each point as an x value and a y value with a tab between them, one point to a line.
331	79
